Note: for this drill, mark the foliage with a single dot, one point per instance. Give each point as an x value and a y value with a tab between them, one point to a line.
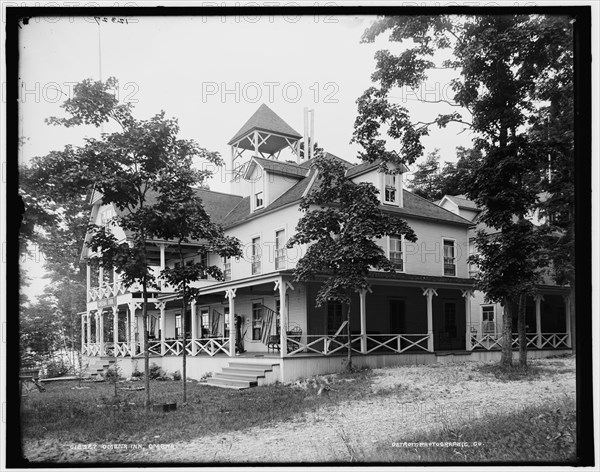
502	63
155	372
432	183
57	368
342	220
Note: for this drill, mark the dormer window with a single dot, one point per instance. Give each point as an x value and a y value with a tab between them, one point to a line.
258	200
389	190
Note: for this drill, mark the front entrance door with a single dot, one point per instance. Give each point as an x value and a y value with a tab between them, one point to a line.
448	338
397	321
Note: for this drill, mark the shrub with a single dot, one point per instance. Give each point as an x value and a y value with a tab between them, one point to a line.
176	375
155	372
137	374
57	368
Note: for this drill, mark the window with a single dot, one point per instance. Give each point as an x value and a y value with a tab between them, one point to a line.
258	200
334	317
204	324
178	332
256	321
487	319
473	268
204	262
449	258
389	190
279	250
396	252
227	268
255	256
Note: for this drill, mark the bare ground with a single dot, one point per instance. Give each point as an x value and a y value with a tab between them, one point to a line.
403	402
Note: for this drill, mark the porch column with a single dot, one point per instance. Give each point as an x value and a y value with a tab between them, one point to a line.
567	299
162	264
363	320
467	294
283	286
163	324
194	327
230	295
88	327
101	330
133	306
88	279
538	319
429	293
115	310
82	333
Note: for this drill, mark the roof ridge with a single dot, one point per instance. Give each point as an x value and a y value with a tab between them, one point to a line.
215	191
437	206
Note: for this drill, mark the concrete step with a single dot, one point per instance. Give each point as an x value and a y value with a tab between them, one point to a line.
244	366
238	370
236	376
230	383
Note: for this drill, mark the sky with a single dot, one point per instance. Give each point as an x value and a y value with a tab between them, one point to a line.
211	73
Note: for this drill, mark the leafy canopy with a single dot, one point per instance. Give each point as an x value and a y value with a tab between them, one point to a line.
341	224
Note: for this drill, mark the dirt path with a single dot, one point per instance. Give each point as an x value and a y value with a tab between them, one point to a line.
425	398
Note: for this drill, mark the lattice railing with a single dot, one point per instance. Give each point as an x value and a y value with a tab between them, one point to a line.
490	342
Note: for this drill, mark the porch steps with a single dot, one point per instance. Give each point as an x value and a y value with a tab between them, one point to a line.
97	368
240	375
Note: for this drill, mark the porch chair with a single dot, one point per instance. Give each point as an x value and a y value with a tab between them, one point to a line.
293	338
273	343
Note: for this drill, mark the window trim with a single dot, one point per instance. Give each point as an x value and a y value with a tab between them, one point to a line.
402	249
284	249
252	260
385	186
454	245
494	323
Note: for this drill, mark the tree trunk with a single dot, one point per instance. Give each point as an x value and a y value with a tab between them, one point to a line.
349	365
184	354
146	352
506	359
572	314
522	327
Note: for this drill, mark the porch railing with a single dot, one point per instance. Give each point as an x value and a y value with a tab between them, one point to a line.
493	341
330	344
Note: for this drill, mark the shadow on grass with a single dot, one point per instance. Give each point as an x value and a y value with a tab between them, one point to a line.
543	433
96	415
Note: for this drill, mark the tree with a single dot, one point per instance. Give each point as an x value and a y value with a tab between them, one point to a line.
425	179
502	61
124	167
341	222
181	217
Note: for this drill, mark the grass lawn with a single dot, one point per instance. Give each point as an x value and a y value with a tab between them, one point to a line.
96	415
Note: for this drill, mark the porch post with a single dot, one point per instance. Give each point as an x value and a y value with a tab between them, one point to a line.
429	292
162	264
88	327
363	320
101	330
567	299
467	294
88	279
132	321
115	330
194	327
82	333
538	320
163	324
282	285
230	294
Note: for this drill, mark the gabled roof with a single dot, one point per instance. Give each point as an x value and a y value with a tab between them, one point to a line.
265	119
277	167
328	155
367	167
461	201
241	212
419	207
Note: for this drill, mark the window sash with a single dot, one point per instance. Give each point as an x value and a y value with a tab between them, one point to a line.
256	256
279	250
258	199
396	256
449	258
